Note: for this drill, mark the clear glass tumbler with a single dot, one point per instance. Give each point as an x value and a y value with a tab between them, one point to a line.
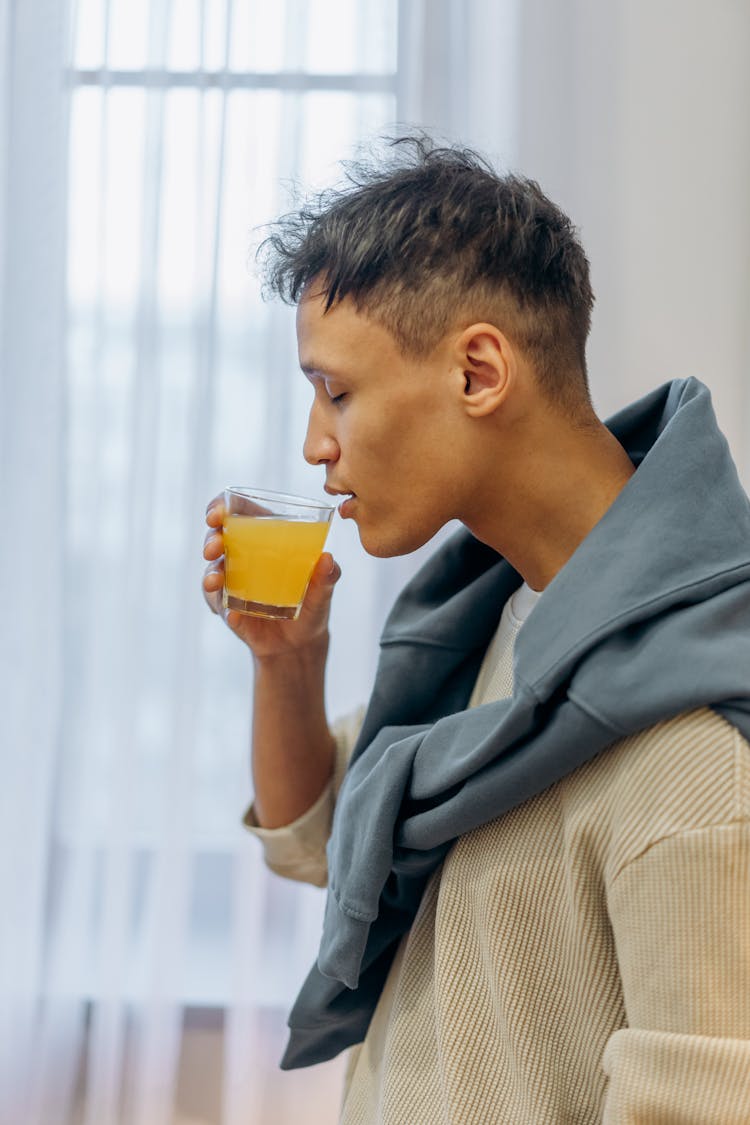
272	542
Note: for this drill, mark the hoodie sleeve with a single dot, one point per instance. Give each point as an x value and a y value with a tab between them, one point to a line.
298	850
680	914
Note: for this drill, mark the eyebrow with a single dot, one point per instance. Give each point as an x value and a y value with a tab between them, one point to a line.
311	369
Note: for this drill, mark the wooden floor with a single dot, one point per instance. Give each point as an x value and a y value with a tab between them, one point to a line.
265	1095
274	1097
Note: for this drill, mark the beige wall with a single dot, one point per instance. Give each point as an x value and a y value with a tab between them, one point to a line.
633	115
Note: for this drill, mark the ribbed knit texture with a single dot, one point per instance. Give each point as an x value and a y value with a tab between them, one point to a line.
584	958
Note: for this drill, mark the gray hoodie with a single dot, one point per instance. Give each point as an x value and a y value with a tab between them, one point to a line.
649	618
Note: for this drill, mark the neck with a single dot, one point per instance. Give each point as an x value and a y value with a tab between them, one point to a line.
544	506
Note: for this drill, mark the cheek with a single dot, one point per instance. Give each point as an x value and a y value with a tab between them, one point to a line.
372	449
401	447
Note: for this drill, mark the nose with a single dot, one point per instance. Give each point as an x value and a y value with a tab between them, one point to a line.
320	446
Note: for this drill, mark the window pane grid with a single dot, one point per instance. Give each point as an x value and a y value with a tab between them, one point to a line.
157	78
323	38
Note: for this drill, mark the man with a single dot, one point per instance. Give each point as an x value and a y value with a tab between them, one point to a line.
538	900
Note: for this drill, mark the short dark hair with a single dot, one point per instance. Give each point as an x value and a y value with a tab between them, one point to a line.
430	235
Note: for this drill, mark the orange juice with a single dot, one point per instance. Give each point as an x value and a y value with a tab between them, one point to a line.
268	562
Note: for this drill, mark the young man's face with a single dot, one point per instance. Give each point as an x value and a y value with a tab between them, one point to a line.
382	425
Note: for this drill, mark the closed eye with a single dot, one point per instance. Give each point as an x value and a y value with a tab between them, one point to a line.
337	398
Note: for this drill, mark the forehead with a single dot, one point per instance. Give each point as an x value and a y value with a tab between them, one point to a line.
339	337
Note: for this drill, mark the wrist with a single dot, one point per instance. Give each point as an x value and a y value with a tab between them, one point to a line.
311	656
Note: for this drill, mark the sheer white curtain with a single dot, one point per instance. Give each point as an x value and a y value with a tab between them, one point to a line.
141	372
146	957
186	382
32	228
458	71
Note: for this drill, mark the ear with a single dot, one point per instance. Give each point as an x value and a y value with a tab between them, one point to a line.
487	360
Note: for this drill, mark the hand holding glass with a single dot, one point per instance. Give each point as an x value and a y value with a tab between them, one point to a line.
271	545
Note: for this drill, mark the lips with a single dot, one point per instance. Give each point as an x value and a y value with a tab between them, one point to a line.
338	491
345	507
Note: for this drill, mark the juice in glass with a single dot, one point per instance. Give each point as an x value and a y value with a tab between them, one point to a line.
271	545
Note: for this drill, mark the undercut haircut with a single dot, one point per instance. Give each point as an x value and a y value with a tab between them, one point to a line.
426	238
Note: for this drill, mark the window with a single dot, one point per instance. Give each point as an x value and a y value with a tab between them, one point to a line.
188	119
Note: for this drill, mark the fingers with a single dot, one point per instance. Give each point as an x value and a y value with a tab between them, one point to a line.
213	545
215	511
233	620
213	586
213	578
213	552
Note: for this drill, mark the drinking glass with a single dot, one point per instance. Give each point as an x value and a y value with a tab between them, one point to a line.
272	542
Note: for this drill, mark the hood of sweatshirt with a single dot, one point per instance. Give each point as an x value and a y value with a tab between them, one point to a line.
649	618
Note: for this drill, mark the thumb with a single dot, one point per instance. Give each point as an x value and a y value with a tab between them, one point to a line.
329	568
324	577
327	571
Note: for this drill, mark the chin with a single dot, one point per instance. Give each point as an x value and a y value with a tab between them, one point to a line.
383	546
